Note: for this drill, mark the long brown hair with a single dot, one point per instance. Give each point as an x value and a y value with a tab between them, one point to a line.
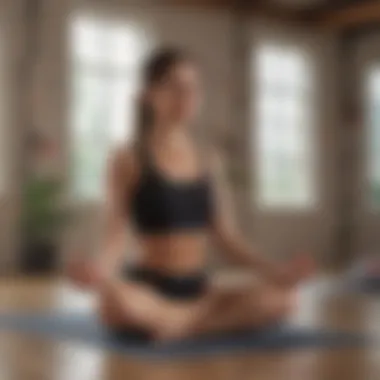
155	70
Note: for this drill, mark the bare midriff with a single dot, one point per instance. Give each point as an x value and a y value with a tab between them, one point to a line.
174	254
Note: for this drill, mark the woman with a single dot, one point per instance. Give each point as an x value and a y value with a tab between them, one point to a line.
174	202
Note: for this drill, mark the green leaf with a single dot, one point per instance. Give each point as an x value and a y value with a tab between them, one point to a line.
42	214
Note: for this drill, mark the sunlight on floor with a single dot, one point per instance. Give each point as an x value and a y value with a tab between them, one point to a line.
79	362
67	297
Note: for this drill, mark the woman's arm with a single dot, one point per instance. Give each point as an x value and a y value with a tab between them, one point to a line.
239	251
121	177
226	232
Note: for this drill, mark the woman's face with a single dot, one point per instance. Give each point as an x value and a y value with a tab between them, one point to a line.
176	98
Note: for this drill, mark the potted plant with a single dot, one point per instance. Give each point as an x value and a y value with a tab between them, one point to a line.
43	218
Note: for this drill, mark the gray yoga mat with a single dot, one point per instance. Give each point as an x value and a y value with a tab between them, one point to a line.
84	328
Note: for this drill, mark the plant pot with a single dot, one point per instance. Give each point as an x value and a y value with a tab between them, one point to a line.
39	257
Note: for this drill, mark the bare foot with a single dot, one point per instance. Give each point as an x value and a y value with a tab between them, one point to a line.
181	322
176	326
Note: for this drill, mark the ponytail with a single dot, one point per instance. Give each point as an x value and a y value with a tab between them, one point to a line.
155	71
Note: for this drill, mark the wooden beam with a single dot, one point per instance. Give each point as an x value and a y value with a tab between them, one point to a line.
280	14
207	4
358	15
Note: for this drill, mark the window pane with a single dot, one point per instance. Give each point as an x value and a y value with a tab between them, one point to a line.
282	137
373	142
122	108
104	84
90	138
124	46
87	41
282	67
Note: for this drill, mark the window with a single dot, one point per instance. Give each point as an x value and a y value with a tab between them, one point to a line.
105	57
373	135
283	125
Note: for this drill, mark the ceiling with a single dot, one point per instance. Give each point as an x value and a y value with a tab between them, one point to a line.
311	4
330	14
299	4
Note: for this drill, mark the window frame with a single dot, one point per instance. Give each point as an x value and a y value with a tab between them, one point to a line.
313	191
102	71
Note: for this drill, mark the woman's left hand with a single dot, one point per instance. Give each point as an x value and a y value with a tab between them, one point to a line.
292	272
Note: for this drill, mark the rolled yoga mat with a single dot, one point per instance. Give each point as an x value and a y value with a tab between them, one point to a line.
84	328
364	278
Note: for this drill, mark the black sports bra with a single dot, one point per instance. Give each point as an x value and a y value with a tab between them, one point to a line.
160	205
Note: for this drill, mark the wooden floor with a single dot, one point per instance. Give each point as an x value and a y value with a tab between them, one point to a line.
28	358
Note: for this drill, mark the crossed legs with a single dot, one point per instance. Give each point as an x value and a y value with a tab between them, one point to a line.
223	308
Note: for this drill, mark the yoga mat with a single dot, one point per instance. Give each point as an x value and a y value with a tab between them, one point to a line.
86	329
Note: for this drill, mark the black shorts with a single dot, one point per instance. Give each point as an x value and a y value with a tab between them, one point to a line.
182	288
